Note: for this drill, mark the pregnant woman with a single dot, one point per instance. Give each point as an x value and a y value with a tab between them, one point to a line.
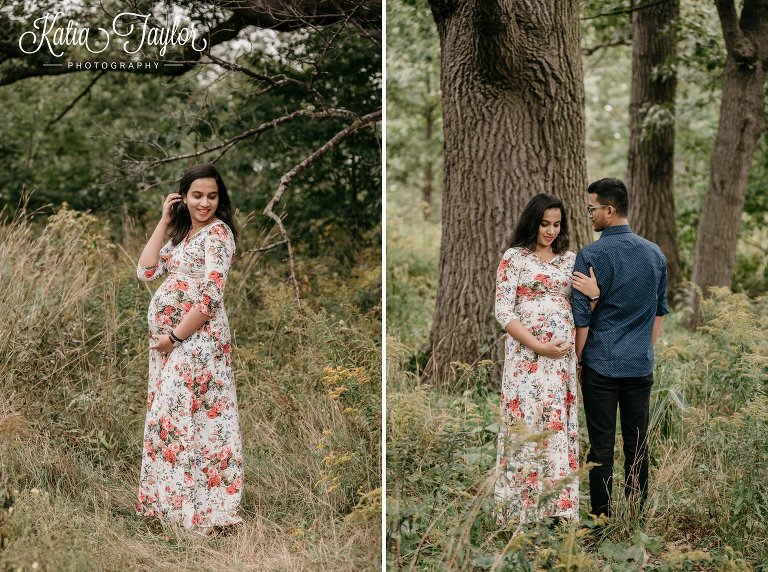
192	468
533	305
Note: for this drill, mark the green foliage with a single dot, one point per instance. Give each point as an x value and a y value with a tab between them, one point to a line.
413	96
412	256
80	158
722	434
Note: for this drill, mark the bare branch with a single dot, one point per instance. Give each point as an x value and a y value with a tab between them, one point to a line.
286	179
607	44
226	145
71	105
262	248
628	10
287	15
367	34
276	82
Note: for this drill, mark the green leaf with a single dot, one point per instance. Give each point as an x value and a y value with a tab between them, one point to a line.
610	550
484	562
655	545
635	553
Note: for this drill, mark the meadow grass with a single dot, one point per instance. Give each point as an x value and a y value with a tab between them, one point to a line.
73	390
708	500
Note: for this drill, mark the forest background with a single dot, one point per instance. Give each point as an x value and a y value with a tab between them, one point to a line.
710	439
287	104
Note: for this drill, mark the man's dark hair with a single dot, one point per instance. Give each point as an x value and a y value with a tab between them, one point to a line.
527	231
612	192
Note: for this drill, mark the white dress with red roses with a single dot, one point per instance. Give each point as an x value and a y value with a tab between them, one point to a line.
537	390
192	468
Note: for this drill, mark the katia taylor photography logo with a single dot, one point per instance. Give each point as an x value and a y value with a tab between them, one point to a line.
135	31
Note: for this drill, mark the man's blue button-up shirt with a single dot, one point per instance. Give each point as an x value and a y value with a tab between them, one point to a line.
632	275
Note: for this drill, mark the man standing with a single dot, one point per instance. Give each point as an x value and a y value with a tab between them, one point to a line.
615	334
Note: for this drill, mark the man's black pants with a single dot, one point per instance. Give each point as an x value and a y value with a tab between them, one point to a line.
600	396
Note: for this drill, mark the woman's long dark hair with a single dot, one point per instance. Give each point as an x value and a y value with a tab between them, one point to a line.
527	231
181	223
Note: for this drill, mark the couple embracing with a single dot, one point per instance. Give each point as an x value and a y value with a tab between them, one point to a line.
592	320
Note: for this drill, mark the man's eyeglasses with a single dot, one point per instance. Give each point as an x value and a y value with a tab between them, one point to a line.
591	209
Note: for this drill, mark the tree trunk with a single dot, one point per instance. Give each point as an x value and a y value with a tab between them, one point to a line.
513	125
650	161
741	124
429	116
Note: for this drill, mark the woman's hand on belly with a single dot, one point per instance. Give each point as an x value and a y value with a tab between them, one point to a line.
163	344
556	349
550	349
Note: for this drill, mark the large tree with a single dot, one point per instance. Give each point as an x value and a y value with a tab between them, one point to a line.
513	124
650	160
742	121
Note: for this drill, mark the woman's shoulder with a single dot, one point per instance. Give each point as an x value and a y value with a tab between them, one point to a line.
570	256
514	258
221	229
516	252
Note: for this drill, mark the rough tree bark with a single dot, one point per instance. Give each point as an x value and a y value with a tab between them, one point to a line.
650	160
429	175
513	123
741	123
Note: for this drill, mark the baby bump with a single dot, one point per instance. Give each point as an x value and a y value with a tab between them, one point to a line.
171	302
549	319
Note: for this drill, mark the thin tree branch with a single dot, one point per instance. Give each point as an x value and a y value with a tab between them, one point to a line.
366	34
282	15
71	105
286	179
274	82
262	248
628	10
226	145
608	44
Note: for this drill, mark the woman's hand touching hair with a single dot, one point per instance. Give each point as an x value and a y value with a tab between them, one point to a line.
167	215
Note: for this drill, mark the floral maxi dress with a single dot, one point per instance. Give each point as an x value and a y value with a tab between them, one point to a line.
539	391
192	467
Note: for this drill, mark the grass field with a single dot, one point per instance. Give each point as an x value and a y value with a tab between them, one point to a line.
708	501
73	389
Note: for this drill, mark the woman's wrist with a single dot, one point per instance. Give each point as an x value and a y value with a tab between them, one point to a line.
174	337
537	346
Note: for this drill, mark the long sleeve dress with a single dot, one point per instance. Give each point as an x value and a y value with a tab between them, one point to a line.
537	390
192	466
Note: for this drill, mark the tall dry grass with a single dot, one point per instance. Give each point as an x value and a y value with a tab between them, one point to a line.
73	382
